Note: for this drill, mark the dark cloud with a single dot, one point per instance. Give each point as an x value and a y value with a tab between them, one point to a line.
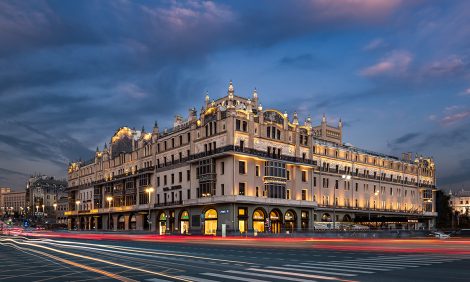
458	177
406	138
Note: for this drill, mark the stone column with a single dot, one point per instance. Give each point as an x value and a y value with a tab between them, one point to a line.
126	222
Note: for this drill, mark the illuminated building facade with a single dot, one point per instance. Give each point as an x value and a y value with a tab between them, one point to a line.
13	202
243	168
460	202
42	193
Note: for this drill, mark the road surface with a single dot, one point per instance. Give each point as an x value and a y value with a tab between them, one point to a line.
72	259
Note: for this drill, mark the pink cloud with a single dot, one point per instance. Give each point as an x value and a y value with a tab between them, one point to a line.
188	15
355	9
466	92
450	65
374	44
394	63
449	119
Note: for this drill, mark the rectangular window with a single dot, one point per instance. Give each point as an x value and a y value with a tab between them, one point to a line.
241	167
304	176
172	178
222	168
180	176
304	194
257	170
188	175
288	174
188	194
222	188
158	181
237	125
164	180
257	191
288	194
315	181
241	188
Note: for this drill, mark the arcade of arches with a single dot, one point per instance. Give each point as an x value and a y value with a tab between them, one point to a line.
256	219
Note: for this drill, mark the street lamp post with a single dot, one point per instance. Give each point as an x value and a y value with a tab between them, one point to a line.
376	193
149	190
78	220
109	199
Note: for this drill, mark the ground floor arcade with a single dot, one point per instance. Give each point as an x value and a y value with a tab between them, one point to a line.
242	219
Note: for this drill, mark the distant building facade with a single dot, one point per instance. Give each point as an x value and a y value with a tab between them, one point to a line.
14	201
61	209
460	202
3	190
241	167
42	192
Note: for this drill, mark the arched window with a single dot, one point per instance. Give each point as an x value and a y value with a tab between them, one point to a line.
210	222
258	220
184	222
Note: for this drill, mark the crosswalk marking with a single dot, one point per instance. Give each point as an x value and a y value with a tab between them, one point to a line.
232	277
323	267
197	279
313	271
350	266
297	274
337	270
268	276
360	265
406	259
382	263
392	263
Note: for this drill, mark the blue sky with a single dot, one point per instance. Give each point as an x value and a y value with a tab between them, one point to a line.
71	72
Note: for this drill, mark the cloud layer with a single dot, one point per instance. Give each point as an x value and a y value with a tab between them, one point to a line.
72	72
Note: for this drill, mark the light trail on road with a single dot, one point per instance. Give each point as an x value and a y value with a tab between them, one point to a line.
18	242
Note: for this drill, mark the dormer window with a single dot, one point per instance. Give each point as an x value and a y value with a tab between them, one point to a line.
273	133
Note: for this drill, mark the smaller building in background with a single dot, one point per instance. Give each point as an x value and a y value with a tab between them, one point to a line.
460	202
3	208
62	207
3	190
42	194
14	202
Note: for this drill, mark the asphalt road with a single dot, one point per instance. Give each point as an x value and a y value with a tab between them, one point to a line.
54	259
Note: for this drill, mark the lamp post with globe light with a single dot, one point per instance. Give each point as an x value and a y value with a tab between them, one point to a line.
109	199
149	190
78	220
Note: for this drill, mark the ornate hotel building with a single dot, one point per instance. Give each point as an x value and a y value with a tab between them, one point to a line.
238	167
